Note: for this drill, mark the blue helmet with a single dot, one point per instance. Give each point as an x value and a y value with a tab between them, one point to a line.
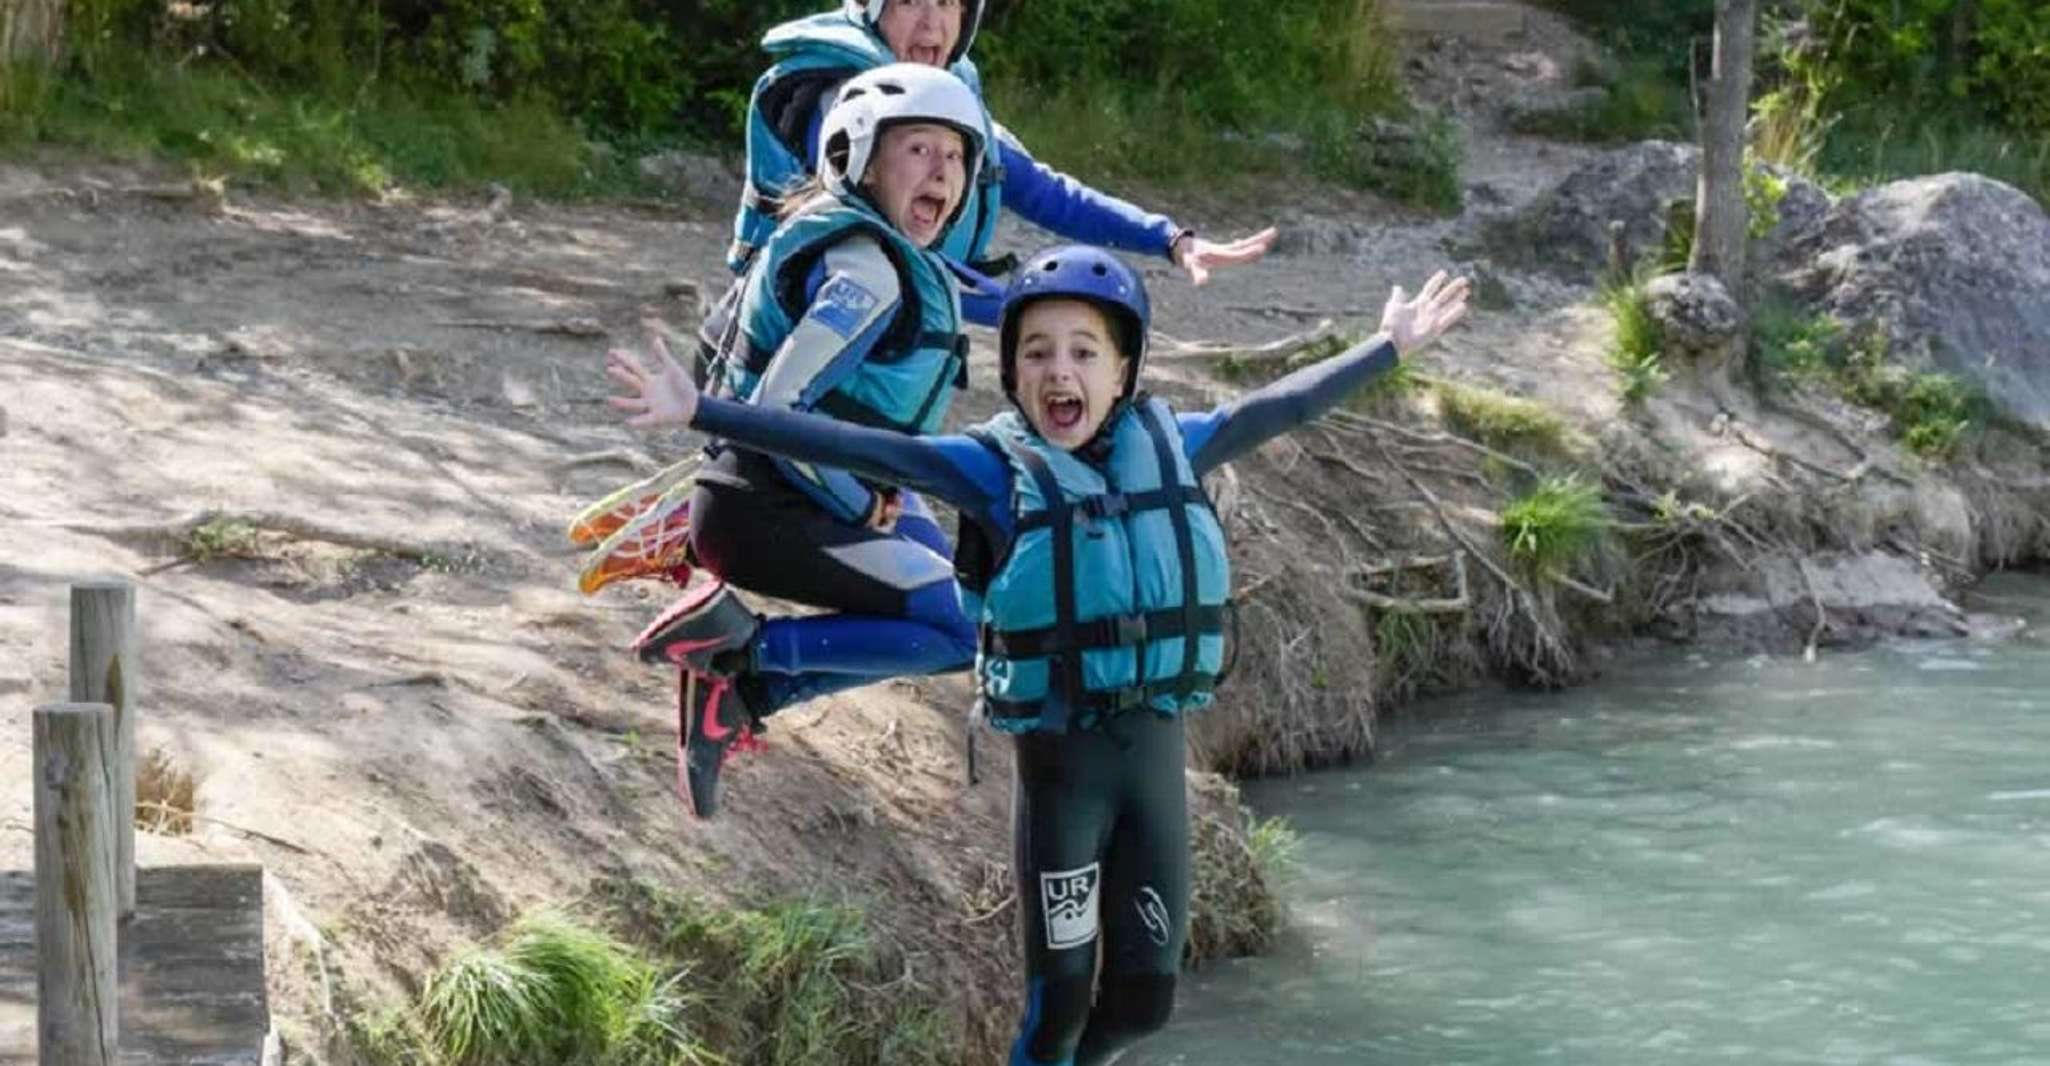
1078	271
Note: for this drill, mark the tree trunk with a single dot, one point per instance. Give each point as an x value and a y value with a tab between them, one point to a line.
31	30
1719	223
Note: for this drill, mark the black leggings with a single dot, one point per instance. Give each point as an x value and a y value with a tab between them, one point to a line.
1102	857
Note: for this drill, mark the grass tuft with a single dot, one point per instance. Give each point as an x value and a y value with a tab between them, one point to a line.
166	794
221	538
1638	339
1557	524
1500	420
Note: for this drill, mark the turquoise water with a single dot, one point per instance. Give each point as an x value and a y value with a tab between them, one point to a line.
1694	861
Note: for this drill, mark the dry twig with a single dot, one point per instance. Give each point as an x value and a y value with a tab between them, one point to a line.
567	327
1166	347
165	808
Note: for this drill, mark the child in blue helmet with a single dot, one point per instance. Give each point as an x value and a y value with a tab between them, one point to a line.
814	55
1098	578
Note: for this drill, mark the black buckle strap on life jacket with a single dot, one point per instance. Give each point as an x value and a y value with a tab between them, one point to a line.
1116	504
1064	669
1091	708
1185	546
1118	631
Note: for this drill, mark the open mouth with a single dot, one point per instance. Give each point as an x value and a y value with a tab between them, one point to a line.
927	211
927	54
1062	412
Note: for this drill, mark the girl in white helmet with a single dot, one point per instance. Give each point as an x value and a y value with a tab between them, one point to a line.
846	312
814	55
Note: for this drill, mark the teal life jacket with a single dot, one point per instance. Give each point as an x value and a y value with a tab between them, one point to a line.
905	380
1113	591
813	56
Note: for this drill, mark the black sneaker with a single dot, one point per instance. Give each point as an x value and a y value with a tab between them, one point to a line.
697	628
711	718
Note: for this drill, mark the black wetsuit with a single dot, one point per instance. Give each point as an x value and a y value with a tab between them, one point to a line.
1101	814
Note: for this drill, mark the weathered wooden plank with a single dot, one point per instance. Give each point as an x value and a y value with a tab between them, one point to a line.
192	969
105	668
78	995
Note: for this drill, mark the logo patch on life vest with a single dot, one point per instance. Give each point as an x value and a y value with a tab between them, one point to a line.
1153	914
843	306
1068	900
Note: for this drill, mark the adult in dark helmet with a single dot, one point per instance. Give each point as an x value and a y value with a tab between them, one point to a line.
814	55
846	312
1098	578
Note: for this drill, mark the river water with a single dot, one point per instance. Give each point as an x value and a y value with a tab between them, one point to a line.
1695	860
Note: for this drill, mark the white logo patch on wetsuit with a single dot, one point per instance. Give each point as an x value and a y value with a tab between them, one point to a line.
1153	912
1067	898
843	306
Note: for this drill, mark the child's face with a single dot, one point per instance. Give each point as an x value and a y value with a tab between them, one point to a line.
917	176
921	31
1068	373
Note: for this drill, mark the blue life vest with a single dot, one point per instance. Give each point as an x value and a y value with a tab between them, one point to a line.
904	382
1112	569
813	56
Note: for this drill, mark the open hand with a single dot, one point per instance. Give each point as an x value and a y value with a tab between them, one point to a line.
1199	257
661	390
1414	323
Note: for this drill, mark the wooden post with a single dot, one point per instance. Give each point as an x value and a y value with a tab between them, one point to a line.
104	670
77	993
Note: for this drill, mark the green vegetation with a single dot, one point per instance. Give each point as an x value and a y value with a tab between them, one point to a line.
1555	525
1850	92
1274	843
1638	101
1635	355
1787	342
221	538
1500	420
1194	90
793	981
553	991
1412	651
559	98
1931	411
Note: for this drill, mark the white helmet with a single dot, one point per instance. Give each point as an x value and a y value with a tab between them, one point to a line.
875	100
869	12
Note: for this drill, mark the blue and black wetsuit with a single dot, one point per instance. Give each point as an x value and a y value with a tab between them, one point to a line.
842	316
1102	848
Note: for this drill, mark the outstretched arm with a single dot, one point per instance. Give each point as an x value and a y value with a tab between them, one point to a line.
951	468
1407	327
1054	201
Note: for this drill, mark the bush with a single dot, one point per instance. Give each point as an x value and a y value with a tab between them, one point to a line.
1146	88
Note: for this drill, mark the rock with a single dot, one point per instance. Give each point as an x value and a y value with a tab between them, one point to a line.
692	174
1699	323
1865	597
1801	210
1954	270
1566	230
1315	235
